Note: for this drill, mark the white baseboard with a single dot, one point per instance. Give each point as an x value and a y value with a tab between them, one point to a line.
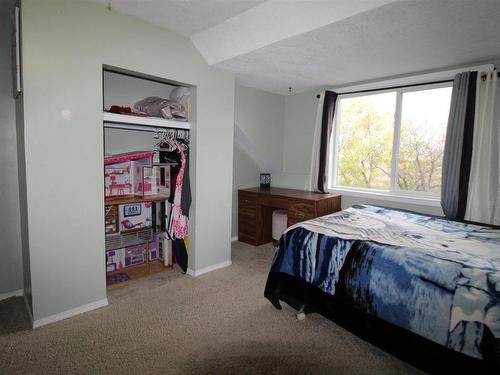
235	238
201	271
69	313
14	293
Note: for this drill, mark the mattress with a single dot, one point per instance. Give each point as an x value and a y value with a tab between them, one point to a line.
434	277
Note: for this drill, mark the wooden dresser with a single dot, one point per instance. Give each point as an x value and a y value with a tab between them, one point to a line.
255	208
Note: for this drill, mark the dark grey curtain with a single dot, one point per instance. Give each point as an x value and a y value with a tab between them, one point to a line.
326	132
458	146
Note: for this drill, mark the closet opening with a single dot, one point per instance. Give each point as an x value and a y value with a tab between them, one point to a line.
147	194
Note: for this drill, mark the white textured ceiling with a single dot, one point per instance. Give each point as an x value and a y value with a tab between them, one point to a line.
399	38
308	44
272	22
185	17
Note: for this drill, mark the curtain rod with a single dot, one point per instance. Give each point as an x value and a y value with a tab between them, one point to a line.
392	87
483	76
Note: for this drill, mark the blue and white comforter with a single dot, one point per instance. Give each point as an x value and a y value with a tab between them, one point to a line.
437	278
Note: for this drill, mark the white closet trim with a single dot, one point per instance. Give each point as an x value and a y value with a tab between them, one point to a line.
117	120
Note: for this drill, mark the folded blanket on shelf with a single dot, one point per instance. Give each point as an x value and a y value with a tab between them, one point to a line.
159	107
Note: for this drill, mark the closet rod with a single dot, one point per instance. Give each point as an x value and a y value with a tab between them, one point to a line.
392	87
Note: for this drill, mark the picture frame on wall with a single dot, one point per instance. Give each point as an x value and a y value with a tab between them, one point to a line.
16	52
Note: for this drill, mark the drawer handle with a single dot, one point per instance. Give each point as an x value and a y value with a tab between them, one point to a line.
300	215
245	200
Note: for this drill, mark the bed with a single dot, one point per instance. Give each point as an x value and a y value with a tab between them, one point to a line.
437	278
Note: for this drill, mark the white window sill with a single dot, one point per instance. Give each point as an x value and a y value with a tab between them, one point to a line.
386	196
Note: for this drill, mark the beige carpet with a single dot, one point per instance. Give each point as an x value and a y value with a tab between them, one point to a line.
218	323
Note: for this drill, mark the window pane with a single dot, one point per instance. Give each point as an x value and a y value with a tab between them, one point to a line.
423	129
365	136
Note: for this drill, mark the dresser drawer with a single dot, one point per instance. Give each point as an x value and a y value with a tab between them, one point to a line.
297	219
247	231
247	199
302	210
293	220
247	212
247	223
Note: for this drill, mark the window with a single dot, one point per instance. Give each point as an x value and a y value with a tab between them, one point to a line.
391	141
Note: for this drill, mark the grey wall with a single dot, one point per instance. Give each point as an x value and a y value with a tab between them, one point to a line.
298	132
117	141
259	116
11	276
65	44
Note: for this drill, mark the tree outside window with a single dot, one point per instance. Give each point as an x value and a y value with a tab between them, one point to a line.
391	141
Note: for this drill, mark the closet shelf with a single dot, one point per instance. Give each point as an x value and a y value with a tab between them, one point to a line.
116	118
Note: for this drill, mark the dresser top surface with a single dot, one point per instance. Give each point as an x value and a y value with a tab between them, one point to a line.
292	193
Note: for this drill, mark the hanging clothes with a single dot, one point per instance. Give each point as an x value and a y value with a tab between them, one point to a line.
180	225
180	196
174	155
186	189
181	255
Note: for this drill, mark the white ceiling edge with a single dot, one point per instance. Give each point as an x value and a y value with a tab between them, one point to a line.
387	82
419	77
416	78
271	22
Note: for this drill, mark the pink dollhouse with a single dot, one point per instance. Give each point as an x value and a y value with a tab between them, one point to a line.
156	180
124	173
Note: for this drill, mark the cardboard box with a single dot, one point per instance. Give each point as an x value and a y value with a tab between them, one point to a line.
111	219
153	250
115	260
135	216
134	255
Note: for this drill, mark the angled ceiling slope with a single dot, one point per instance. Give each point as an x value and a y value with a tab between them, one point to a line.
306	44
272	22
185	17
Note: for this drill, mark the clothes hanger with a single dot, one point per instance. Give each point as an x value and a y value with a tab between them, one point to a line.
167	139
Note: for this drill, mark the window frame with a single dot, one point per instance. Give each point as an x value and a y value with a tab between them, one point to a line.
394	194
